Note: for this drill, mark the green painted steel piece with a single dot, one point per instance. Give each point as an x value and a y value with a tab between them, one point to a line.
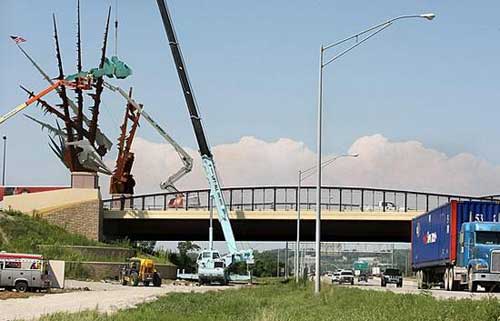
112	68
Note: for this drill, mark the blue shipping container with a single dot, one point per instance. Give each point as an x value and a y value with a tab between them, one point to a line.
435	233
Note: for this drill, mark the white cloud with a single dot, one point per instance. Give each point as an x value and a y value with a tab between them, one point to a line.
382	163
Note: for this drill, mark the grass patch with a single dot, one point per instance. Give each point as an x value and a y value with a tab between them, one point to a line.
287	302
22	233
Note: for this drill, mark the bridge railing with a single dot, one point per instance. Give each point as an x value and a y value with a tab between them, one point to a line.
287	198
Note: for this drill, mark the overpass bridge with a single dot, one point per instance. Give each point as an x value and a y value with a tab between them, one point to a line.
269	213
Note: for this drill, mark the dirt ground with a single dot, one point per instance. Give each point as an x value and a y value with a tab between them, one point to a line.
80	295
4	295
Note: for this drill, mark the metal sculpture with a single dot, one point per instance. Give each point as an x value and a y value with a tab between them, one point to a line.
122	180
79	144
76	138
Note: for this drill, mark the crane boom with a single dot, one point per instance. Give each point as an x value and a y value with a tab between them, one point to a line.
206	154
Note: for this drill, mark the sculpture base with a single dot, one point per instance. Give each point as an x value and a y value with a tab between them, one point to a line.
84	180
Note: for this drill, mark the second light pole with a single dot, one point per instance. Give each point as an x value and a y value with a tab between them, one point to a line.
299	185
372	31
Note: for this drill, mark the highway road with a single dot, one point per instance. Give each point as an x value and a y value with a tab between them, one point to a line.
410	286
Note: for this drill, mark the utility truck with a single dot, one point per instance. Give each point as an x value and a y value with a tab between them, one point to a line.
23	272
212	267
457	246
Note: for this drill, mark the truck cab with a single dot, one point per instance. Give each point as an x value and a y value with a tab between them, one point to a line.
479	252
211	267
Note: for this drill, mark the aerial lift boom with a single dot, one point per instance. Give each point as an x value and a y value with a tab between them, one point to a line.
234	255
85	83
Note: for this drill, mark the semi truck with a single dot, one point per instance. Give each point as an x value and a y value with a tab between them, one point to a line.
457	246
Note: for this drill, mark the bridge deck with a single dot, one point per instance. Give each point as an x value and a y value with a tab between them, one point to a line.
260	215
172	225
268	213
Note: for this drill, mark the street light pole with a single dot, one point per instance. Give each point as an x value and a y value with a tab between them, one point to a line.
4	159
278	264
317	278
297	243
299	186
374	30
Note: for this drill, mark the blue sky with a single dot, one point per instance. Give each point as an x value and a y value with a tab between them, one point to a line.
254	65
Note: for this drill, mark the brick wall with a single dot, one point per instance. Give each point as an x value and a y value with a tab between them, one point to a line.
83	218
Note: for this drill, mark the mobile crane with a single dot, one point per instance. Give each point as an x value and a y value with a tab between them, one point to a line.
211	265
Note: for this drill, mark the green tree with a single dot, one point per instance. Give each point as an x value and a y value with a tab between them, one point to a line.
265	263
185	258
146	246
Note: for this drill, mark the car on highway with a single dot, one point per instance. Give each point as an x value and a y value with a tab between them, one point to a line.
346	276
335	277
392	275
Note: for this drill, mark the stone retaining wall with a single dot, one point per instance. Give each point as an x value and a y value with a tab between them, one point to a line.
111	270
114	252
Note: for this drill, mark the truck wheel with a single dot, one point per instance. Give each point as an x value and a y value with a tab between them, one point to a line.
446	280
156	279
451	279
135	279
21	286
425	280
146	283
419	279
471	285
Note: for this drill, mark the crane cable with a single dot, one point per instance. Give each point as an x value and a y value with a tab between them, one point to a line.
116	28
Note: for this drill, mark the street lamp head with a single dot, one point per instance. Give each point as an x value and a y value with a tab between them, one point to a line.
4	137
428	16
355	155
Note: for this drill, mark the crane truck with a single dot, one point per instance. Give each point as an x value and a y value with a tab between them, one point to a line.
457	246
212	267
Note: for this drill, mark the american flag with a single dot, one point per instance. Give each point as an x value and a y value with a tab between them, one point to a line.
18	39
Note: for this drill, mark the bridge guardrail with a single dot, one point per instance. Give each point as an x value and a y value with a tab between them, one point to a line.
283	198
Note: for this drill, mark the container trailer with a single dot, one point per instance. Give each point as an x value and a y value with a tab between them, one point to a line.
457	246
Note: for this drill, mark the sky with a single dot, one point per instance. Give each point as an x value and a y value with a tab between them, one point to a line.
419	102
